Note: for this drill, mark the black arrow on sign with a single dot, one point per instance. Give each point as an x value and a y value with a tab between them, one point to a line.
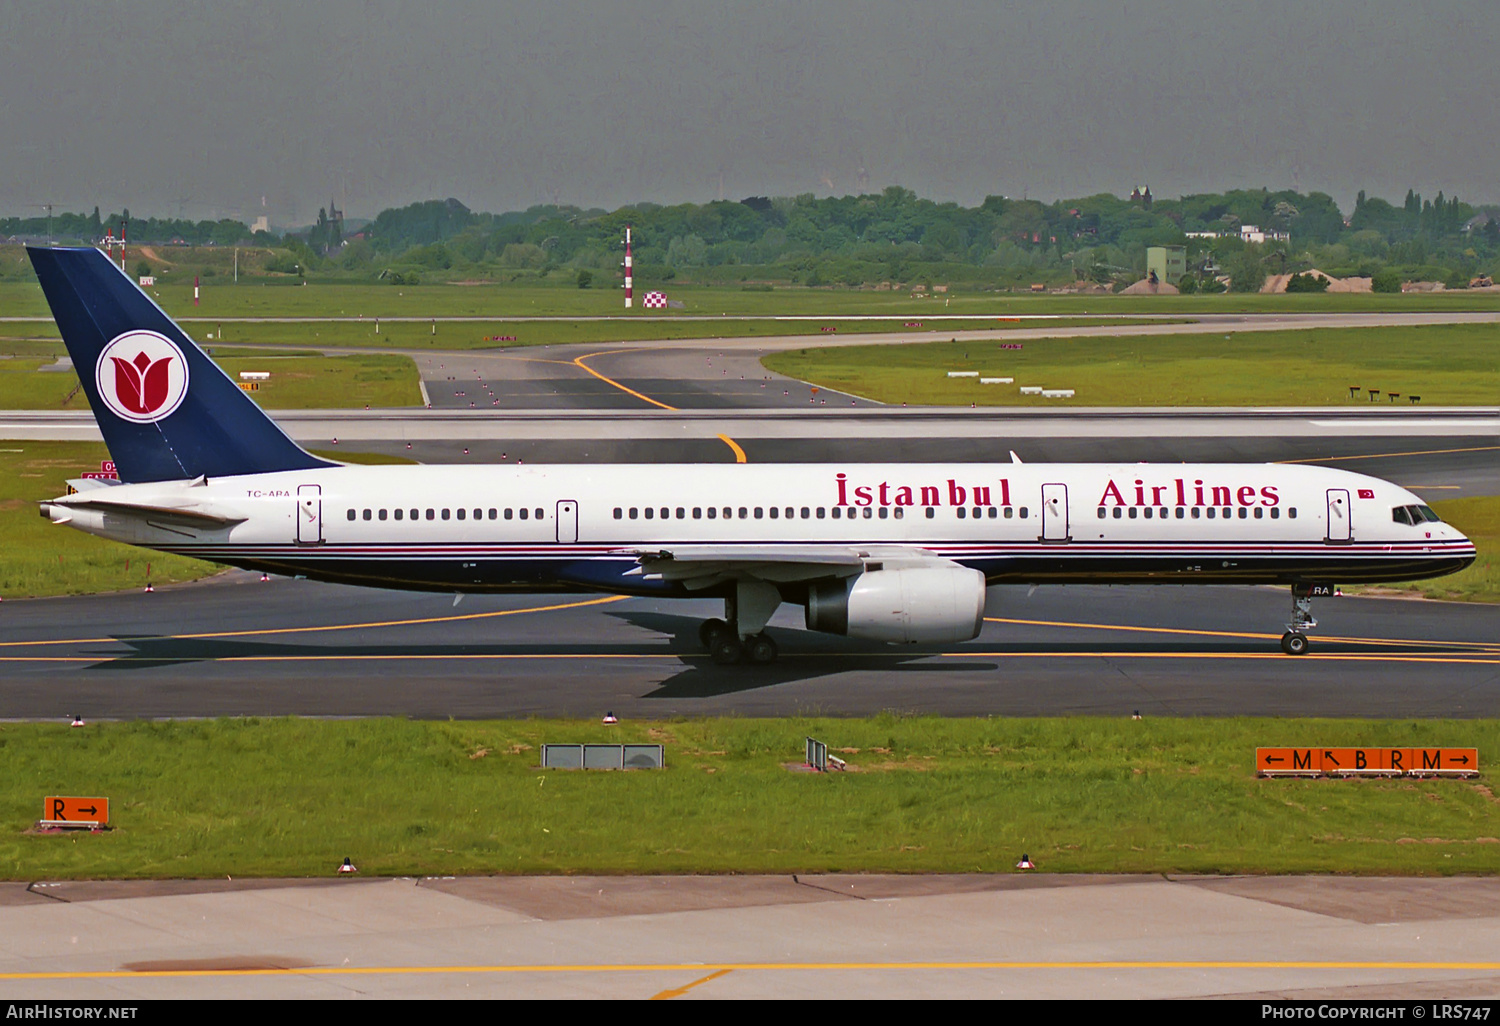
1274	758
90	810
1464	760
1330	758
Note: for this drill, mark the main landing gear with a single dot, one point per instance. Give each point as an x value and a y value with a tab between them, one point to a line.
1294	641
725	645
740	637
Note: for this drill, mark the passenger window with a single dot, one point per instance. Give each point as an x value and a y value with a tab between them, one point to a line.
884	512
1210	512
1133	513
759	513
367	514
1119	512
414	515
744	513
619	513
790	513
1010	513
1181	512
1024	513
460	512
806	513
835	513
445	514
380	515
900	512
1146	512
431	514
1244	513
960	512
494	512
1275	513
649	512
869	512
820	512
931	513
1291	514
681	513
351	514
713	511
510	513
775	512
698	512
522	511
398	513
479	514
1197	512
633	513
728	513
1259	512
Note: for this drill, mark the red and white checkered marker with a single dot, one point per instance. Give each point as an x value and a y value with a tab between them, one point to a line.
654	301
1025	863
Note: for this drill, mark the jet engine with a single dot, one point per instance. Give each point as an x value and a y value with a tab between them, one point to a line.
908	605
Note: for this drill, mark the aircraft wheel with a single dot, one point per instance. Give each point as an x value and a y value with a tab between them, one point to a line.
1293	643
761	649
709	630
727	650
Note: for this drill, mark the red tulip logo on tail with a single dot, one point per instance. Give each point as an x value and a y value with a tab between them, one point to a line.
142	376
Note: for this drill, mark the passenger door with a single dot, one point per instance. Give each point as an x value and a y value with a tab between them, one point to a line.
567	521
309	514
1340	529
1055	512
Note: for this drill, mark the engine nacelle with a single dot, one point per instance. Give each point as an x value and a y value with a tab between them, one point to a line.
915	604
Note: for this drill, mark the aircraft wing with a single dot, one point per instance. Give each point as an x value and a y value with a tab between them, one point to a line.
702	566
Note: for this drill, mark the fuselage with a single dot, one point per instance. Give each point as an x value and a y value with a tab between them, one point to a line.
496	528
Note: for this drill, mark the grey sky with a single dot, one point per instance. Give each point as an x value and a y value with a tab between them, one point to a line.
164	106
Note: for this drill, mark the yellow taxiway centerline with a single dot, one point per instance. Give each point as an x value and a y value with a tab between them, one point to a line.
331	627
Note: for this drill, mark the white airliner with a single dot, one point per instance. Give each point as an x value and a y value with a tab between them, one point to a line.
888	552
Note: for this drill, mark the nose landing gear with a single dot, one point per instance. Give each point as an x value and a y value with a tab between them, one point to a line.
1294	641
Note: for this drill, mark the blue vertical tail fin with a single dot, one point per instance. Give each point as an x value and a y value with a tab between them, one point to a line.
166	410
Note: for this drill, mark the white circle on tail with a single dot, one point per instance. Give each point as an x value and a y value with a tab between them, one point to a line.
142	376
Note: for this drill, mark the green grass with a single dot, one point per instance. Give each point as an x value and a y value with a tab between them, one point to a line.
297	382
1445	364
410	335
293	797
261	297
40	558
318	382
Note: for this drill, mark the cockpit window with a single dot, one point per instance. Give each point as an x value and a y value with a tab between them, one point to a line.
1414	515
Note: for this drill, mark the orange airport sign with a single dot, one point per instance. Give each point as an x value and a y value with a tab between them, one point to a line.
1366	762
83	811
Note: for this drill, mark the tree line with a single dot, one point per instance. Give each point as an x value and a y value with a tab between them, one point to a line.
892	236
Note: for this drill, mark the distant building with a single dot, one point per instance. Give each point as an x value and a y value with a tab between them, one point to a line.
1166	264
261	224
1251	233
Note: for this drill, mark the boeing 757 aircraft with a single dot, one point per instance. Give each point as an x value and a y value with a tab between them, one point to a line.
887	552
